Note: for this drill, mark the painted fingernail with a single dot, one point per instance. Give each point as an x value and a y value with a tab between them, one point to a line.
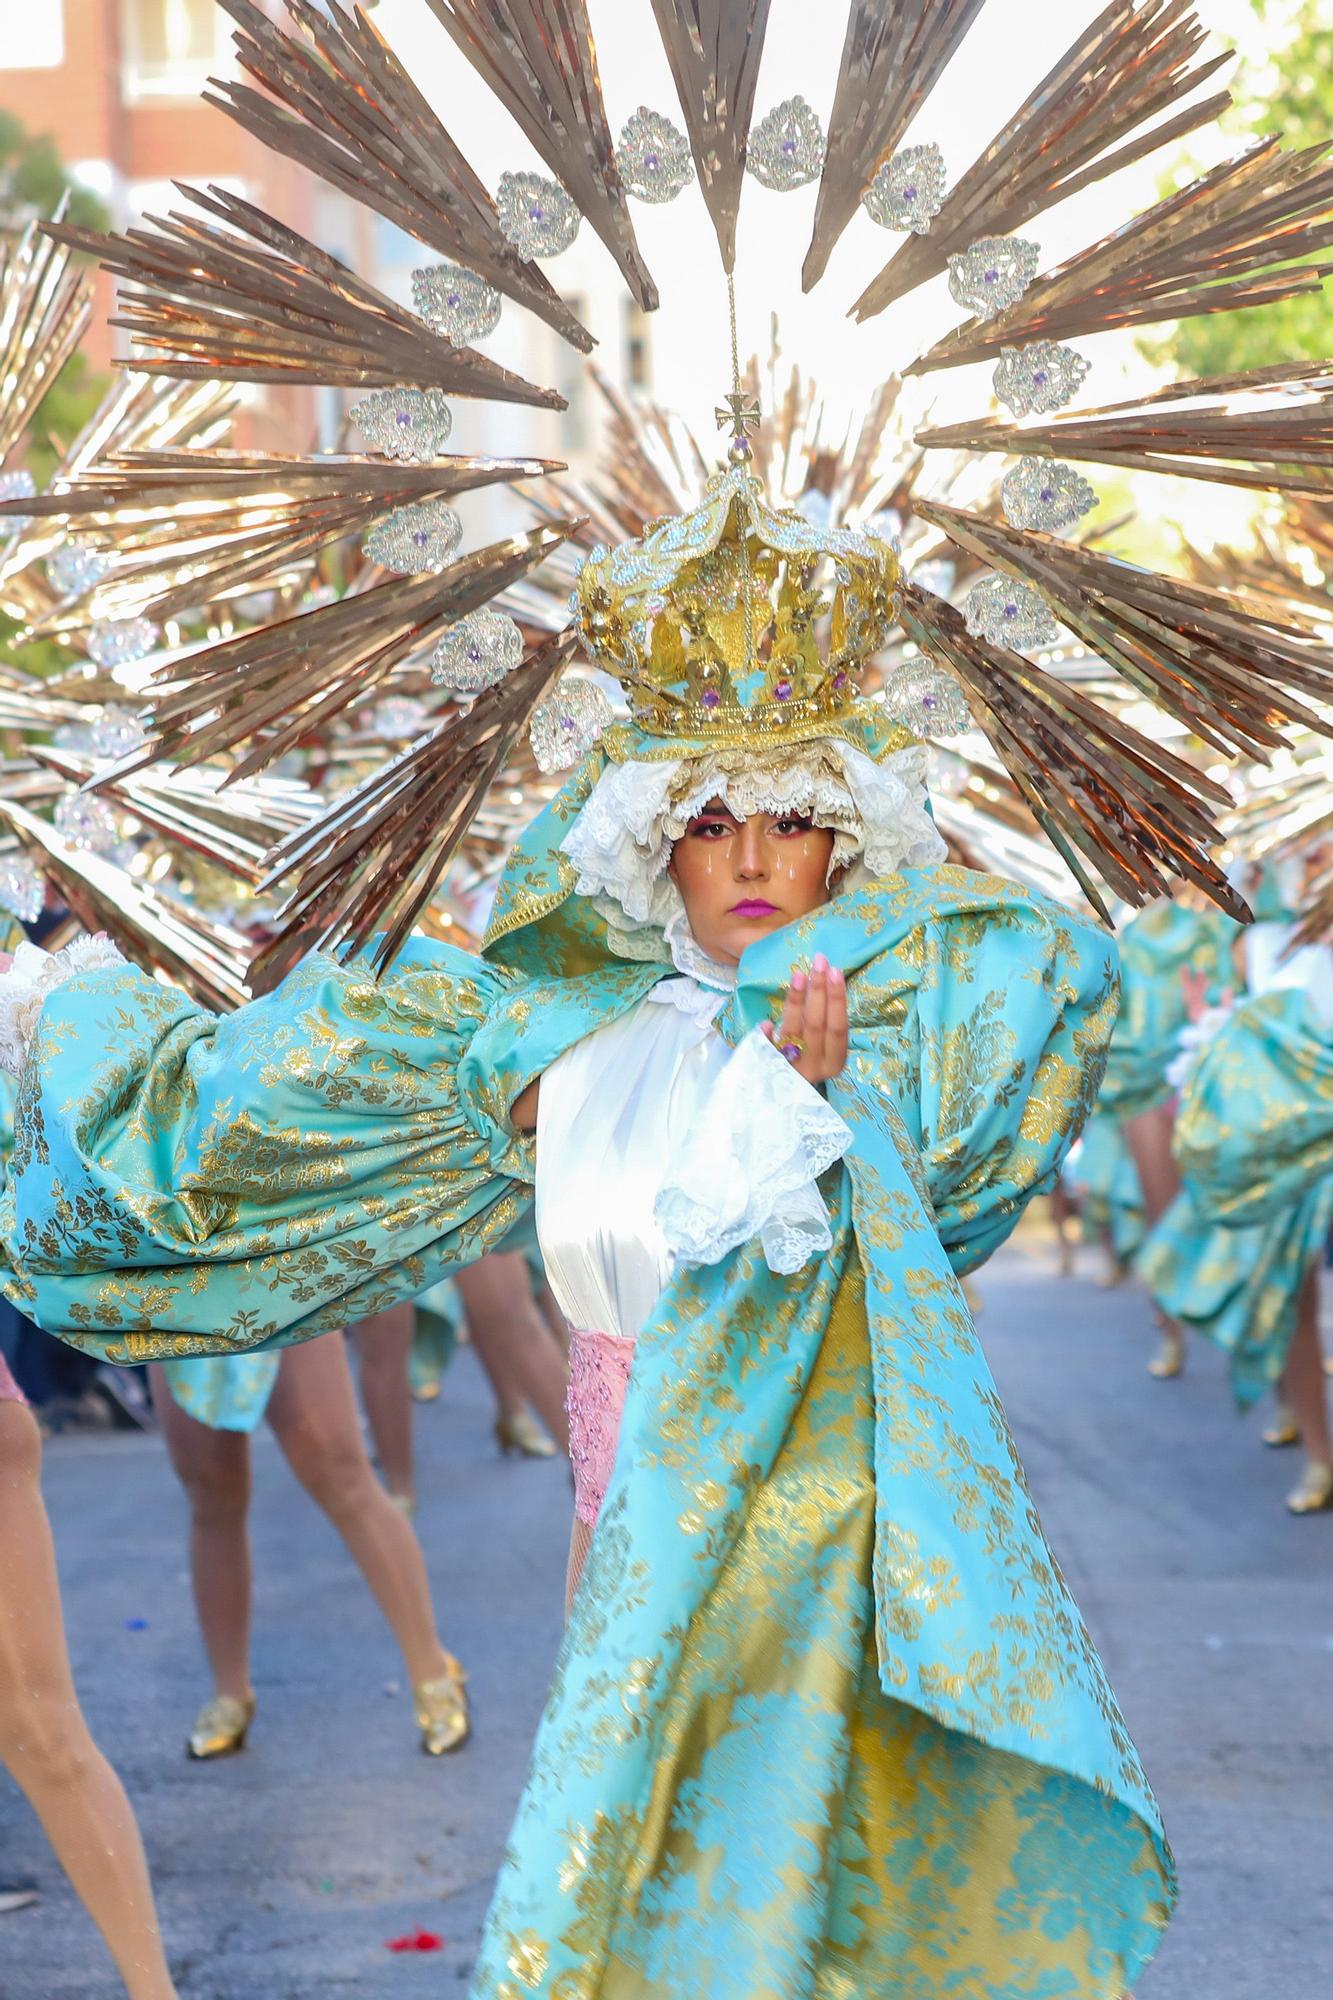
798	982
835	975
820	962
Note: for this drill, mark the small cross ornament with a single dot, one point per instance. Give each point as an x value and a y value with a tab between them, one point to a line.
739	412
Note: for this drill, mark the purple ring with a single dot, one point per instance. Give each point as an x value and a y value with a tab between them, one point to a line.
792	1051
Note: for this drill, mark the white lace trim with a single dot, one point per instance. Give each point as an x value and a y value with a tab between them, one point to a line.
622	839
688	996
33	974
748	1169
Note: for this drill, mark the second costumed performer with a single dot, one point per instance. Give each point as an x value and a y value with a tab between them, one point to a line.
827	1720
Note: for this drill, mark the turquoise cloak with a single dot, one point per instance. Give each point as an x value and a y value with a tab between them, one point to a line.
1157	948
826	1721
1254	1141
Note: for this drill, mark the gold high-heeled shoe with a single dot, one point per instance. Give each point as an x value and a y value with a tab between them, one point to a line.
1169	1360
1314	1495
442	1710
220	1727
523	1434
1283	1431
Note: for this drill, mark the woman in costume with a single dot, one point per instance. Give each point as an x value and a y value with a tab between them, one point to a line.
207	1408
1163	951
44	1741
819	1641
1237	1256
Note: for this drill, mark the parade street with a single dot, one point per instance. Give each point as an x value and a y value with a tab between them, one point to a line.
285	1873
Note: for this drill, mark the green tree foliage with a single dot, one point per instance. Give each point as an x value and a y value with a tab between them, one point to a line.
33	182
1288	92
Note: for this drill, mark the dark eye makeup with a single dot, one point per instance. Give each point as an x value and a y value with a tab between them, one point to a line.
709	826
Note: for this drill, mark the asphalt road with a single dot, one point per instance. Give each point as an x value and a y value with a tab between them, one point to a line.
283	1873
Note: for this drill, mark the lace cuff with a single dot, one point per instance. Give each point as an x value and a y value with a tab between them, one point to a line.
749	1167
33	974
1191	1042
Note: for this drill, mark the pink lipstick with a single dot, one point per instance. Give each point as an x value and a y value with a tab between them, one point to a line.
754	907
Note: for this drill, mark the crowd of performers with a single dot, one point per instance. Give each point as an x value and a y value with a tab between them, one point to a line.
1205	1169
361	1475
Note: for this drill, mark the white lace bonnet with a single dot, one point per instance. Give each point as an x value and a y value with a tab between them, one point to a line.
621	841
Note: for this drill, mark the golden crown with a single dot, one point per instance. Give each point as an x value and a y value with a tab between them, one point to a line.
738	620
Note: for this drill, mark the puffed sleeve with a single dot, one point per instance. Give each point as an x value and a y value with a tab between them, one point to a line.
188	1184
1014	1010
1254	1132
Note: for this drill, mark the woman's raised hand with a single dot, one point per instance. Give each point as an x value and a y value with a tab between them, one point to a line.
812	1033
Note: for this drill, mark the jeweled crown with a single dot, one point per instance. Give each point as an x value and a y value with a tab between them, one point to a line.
738	621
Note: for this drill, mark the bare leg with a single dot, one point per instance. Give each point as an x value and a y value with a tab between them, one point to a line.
516	1347
1149	1140
1304	1384
1064	1217
555	1319
44	1740
383	1344
314	1418
214	1469
1282	1429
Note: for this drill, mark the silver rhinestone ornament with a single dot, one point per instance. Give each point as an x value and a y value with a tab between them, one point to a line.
936	574
908	191
456	303
415	540
87	821
1032	381
926	700
566	725
476	653
74	569
22	888
653	157
1009	614
115	642
399	716
16	486
536	215
116	733
1046	494
993	274
405	423
786	148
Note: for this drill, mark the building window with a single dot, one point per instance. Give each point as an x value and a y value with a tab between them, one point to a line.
638	346
35	37
172	46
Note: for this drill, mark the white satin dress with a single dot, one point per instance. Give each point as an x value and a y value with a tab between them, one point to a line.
657	1143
